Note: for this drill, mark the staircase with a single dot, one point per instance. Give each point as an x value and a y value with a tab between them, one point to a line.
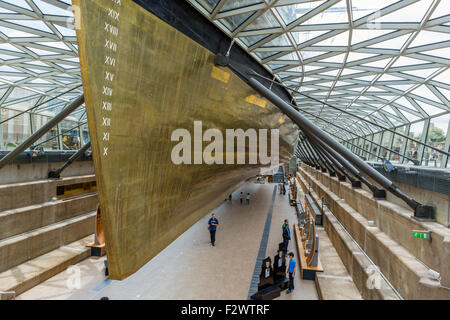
279	176
44	228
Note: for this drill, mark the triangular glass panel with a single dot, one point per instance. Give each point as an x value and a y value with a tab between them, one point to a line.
443	77
363	35
355	56
364	8
349	71
251	40
332	73
47	8
428	37
395	43
278	42
338	58
378	64
233	4
441	53
388	77
430	110
264	55
32	24
19	3
9	47
335	14
301	37
311	54
267	20
365	78
13	33
338	40
442	9
414	12
402	87
233	22
291	13
411	117
406	61
424	92
425	73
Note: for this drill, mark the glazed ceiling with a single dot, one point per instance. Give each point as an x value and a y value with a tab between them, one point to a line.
385	60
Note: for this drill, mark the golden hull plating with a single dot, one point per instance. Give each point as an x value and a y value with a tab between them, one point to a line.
142	80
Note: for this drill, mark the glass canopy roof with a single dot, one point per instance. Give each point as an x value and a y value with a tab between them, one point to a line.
385	60
39	62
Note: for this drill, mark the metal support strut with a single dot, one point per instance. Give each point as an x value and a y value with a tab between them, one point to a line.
420	211
45	128
56	174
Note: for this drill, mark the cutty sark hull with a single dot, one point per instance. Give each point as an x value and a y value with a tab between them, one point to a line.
143	79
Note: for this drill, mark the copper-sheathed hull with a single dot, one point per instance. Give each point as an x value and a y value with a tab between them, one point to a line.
142	80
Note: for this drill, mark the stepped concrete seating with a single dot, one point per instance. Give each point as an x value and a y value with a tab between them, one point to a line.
18	195
388	245
41	235
29	274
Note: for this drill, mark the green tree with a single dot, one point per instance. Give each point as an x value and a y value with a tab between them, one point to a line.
436	134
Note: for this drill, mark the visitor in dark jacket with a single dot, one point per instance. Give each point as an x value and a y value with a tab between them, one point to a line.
286	236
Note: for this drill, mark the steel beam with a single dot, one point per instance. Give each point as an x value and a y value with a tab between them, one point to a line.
377	193
421	211
56	174
38	134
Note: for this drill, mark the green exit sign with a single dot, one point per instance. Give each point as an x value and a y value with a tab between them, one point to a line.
422	234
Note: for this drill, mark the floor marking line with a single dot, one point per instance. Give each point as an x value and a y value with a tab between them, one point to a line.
262	248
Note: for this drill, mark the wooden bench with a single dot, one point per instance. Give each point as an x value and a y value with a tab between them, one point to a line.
307	272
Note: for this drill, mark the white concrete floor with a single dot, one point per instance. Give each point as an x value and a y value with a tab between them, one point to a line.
190	268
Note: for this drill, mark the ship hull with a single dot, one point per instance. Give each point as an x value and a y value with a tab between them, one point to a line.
143	80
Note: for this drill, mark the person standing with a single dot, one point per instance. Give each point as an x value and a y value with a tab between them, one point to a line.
286	221
286	236
241	197
230	197
247	199
291	271
212	227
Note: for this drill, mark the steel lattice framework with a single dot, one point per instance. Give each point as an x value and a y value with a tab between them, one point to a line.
38	56
385	60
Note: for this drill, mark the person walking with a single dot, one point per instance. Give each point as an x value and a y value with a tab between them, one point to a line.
247	199
212	227
291	271
286	236
230	197
241	197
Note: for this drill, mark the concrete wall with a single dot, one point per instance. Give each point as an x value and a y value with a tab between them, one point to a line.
14	173
438	200
19	195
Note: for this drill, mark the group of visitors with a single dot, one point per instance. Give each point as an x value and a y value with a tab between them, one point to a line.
292	263
213	222
241	198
